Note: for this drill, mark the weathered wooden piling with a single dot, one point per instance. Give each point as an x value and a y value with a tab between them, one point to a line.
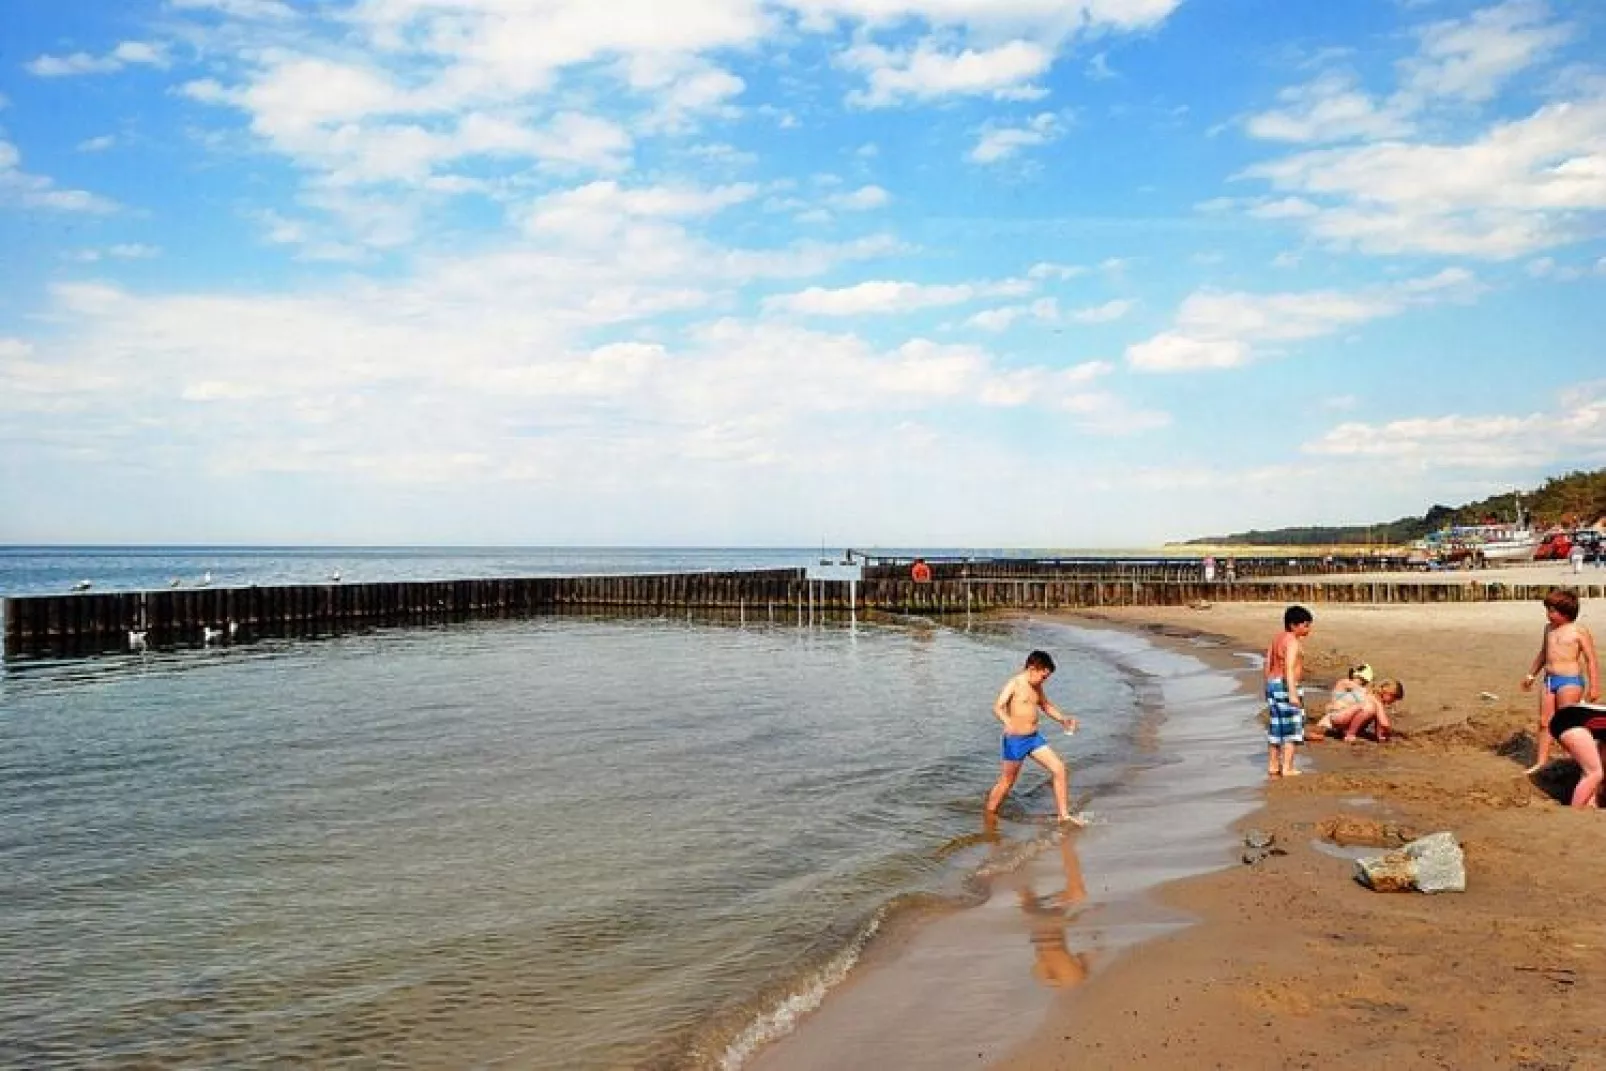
87	624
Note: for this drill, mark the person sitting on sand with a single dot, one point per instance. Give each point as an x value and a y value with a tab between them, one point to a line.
1285	703
1348	694
1016	708
1581	731
1373	710
1571	670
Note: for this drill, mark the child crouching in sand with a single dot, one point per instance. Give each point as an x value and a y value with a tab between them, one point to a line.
1372	709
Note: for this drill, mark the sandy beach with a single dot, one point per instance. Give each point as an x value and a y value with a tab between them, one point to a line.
1293	964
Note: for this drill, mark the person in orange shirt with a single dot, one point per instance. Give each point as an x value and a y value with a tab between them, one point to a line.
920	572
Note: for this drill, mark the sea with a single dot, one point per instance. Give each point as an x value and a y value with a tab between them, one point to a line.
547	843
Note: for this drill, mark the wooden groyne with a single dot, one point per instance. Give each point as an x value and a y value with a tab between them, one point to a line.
88	624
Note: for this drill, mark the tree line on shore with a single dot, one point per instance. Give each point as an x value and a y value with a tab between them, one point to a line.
1574	500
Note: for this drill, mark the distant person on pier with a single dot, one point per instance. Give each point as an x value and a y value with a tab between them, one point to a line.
1568	662
1210	569
1232	570
920	572
1285	703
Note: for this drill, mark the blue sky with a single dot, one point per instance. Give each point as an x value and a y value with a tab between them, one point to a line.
1054	273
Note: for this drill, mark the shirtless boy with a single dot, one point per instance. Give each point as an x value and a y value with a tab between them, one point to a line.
1016	708
1285	705
1567	658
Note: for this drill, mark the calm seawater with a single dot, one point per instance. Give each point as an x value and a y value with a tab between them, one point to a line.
576	843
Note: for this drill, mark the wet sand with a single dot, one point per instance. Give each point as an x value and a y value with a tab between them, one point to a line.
1294	965
963	989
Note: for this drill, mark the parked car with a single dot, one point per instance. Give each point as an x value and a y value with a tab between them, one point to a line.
1554	547
1593	544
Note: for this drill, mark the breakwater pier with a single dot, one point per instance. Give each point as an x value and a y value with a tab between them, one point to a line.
87	623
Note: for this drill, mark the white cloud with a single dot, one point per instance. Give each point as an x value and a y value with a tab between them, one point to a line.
1061	272
19	188
1329	109
138	53
1004	72
861	200
1216	329
273	10
1106	313
125	251
100	144
1002	142
1573	432
1520	187
1469	59
886	296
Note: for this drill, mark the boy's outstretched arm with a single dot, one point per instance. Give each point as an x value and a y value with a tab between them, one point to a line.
1068	721
1538	662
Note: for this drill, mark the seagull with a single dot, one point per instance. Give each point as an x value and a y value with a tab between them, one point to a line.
136	639
83	585
210	634
335	576
207	578
175	582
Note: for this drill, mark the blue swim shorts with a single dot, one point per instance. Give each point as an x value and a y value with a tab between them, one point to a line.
1555	682
1016	748
1285	722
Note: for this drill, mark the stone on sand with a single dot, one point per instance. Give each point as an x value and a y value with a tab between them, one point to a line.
1430	864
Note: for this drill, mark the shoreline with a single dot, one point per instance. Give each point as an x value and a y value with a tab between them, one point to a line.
964	987
1290	963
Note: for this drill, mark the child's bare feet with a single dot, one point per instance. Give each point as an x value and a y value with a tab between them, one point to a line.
1291	772
1075	820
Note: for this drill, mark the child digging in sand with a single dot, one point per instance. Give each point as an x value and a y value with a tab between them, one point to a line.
1285	704
1570	668
1372	709
1016	708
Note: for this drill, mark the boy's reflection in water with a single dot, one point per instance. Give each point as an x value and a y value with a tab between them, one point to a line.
1056	965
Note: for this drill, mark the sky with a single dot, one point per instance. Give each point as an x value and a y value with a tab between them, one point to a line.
914	273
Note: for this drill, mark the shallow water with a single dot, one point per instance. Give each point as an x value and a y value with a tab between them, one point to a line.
553	843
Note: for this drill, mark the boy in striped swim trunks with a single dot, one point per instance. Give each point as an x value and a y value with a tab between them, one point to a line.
1285	703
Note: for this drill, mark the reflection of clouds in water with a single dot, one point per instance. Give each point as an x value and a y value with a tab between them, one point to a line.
1054	964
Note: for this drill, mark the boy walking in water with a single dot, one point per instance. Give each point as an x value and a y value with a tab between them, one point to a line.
1285	705
1016	708
1567	658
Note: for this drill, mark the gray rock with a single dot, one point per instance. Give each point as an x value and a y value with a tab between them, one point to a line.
1431	864
1440	866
